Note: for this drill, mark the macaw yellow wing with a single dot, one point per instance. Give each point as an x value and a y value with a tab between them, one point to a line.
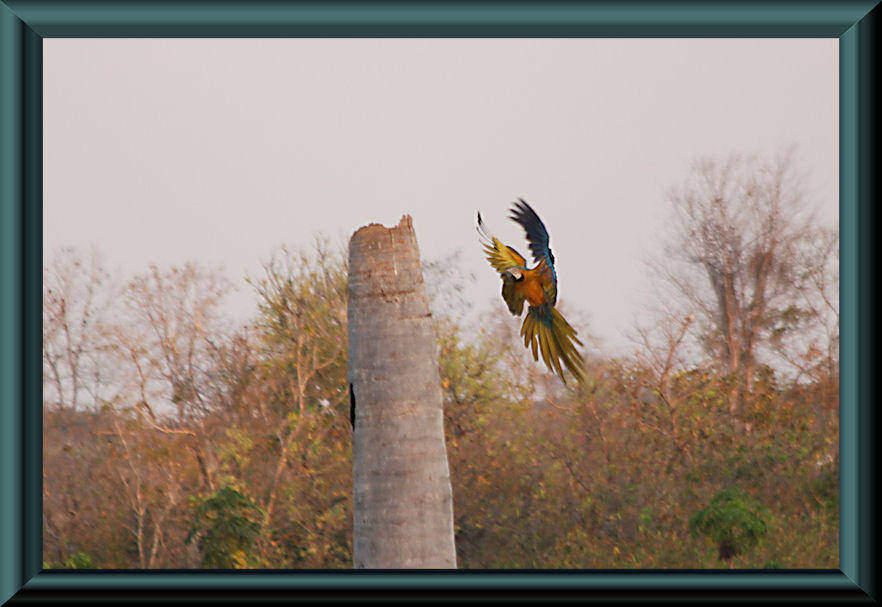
504	258
500	256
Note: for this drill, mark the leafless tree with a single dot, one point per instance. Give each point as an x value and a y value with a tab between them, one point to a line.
78	295
741	255
166	339
169	340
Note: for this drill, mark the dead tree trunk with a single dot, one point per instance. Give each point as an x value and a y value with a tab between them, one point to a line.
403	515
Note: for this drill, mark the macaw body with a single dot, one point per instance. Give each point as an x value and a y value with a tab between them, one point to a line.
533	286
544	330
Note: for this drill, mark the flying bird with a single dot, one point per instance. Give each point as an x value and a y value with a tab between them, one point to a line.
545	329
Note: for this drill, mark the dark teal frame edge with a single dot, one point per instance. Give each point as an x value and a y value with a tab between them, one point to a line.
23	24
456	18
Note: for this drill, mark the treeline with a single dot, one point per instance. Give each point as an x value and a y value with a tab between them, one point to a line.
174	438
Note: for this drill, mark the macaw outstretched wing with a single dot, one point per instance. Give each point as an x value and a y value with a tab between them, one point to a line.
537	235
500	256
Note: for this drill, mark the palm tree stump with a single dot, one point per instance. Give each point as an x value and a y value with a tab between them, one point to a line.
403	515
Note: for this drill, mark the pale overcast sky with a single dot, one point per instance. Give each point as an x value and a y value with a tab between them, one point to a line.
218	151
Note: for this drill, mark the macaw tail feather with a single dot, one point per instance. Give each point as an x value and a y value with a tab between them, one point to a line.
546	331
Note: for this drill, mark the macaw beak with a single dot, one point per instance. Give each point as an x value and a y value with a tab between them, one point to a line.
515	274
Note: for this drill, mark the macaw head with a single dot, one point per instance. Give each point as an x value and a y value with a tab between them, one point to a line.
514	274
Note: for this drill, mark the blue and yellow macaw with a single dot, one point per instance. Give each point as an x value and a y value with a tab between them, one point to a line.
544	328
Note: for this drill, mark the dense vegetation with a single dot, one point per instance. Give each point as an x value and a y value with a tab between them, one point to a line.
176	439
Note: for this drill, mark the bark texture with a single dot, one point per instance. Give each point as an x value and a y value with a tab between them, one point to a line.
403	515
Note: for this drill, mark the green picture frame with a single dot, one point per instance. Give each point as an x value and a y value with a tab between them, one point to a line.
23	25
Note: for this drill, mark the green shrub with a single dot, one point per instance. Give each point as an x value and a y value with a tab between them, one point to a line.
733	521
